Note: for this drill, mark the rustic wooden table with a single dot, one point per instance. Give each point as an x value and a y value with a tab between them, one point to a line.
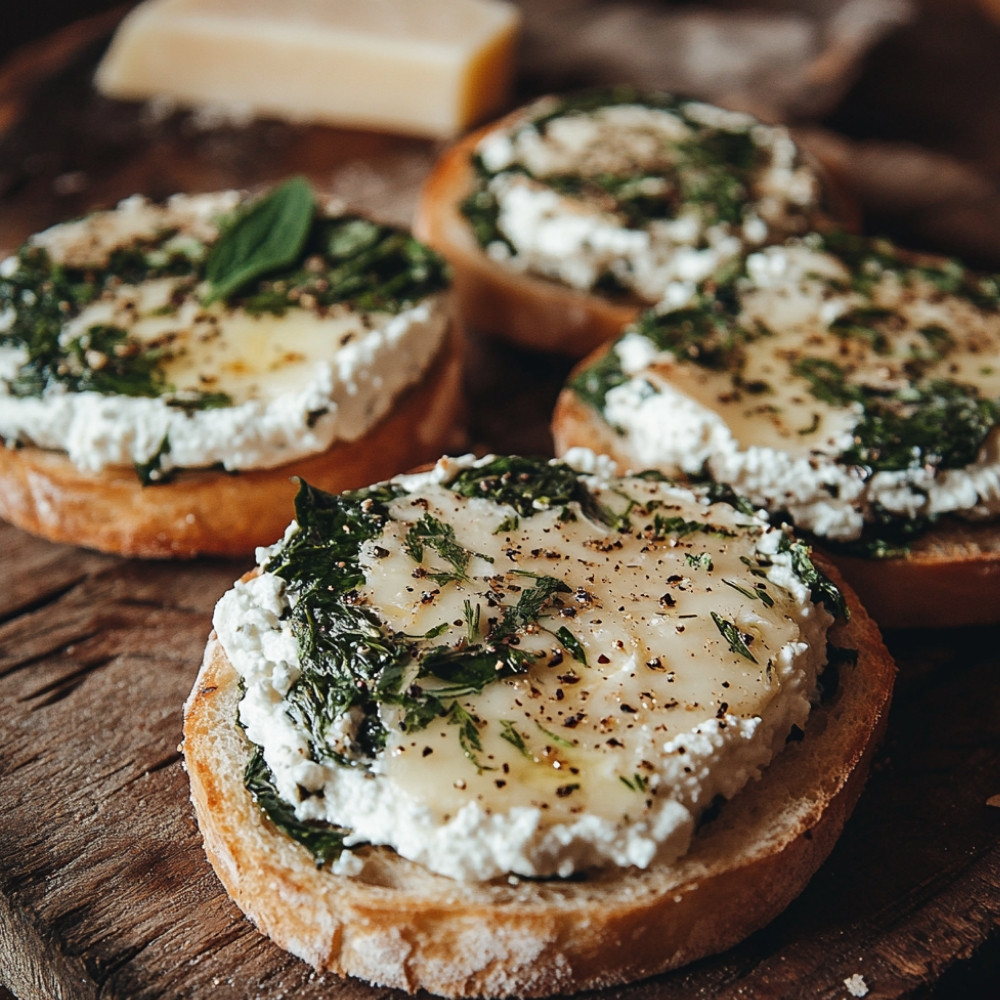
104	889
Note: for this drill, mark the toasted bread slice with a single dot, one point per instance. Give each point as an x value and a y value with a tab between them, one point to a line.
216	512
525	308
395	924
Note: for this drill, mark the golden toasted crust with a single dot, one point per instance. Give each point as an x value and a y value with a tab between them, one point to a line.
397	925
214	512
951	575
530	311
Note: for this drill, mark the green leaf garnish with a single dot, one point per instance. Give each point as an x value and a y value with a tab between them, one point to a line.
439	536
821	587
268	235
514	738
529	606
753	593
637	783
572	644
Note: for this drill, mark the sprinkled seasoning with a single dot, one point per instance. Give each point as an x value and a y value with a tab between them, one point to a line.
525	708
878	408
624	191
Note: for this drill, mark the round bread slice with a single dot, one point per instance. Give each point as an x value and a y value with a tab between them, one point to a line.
517	305
395	924
211	512
167	370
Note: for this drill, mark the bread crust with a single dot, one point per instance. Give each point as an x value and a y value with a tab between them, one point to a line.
213	512
397	925
531	311
951	575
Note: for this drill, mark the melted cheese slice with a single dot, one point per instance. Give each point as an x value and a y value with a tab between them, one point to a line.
667	672
570	737
294	382
430	68
767	431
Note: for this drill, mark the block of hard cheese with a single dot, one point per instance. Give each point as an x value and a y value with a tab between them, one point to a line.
419	67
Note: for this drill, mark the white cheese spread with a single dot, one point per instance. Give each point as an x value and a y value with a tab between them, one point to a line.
837	397
606	667
282	383
640	194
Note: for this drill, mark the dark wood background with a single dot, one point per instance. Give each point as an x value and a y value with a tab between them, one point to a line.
104	889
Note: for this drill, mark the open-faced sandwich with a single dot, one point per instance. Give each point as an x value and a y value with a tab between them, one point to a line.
840	383
566	218
166	369
510	727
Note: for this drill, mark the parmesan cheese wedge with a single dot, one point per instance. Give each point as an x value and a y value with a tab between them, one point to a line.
430	68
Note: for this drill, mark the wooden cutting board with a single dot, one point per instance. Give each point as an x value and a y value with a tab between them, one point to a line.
104	889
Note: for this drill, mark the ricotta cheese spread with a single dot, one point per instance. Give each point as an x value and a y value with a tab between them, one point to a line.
508	666
212	331
628	192
832	379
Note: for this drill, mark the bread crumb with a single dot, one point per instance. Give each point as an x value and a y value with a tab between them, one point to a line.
856	985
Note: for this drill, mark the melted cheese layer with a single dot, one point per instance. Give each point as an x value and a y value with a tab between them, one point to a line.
782	444
692	650
296	383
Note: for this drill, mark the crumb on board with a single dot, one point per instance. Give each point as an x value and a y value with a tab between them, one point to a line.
856	985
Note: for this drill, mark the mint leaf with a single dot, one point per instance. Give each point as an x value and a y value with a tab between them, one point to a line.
269	235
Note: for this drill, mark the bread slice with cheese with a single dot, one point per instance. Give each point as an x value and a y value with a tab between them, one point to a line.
550	813
841	383
166	371
566	218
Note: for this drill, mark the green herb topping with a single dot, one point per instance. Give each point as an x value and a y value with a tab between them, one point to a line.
914	405
712	170
277	253
353	665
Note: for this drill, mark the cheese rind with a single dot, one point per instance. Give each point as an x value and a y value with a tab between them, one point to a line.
429	69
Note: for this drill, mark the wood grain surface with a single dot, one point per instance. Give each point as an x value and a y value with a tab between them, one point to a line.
105	892
104	889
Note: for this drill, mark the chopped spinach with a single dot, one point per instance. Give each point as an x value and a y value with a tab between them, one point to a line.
941	424
351	662
323	840
821	587
530	485
432	532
